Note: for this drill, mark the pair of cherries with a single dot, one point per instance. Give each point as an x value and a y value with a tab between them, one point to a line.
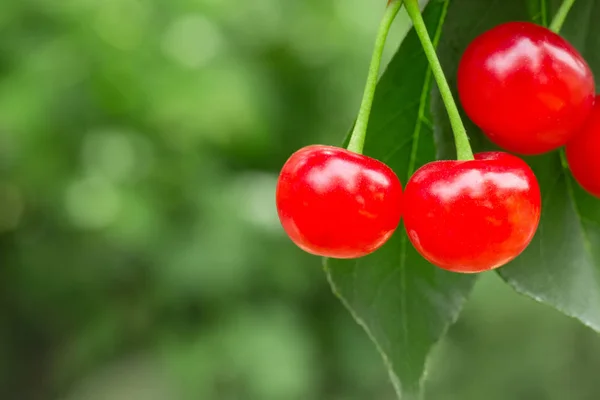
463	216
530	92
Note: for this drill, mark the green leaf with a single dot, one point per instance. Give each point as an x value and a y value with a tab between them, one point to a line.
561	267
404	303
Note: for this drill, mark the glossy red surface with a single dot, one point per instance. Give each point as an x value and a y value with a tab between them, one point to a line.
336	203
526	87
472	216
583	153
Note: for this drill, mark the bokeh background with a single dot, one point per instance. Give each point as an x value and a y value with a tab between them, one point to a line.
140	253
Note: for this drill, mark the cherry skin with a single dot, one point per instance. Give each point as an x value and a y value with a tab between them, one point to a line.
583	153
336	203
526	87
472	216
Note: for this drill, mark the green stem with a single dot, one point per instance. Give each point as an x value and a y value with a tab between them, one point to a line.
561	15
544	12
463	148
357	139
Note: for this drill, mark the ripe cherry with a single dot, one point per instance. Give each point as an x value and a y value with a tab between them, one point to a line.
336	203
472	216
582	153
526	87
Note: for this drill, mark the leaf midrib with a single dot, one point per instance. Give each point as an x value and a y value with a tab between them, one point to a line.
420	121
411	166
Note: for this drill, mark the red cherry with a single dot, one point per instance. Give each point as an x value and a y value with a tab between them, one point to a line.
583	153
472	216
526	87
336	203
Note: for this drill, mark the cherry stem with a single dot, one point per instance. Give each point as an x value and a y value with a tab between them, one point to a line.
359	133
463	148
561	15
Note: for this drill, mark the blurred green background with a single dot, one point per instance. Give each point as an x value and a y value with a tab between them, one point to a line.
140	252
